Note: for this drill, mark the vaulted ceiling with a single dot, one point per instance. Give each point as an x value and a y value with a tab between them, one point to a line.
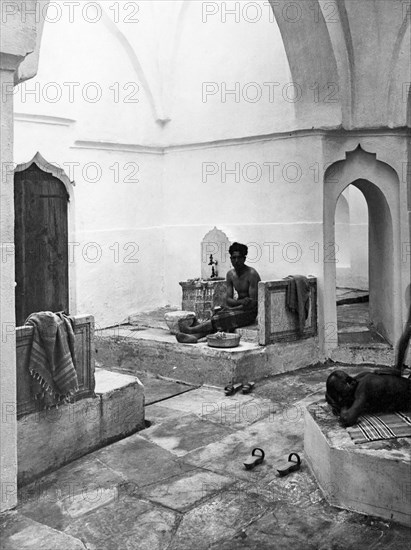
361	46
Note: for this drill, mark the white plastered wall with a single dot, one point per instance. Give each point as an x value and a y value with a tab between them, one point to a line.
176	128
146	157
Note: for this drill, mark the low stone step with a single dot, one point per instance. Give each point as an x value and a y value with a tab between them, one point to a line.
158	352
352	296
360	354
48	439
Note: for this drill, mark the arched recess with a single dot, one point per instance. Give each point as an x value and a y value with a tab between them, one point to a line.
342	238
379	184
44	236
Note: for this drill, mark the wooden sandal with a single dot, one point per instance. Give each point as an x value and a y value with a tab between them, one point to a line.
254	460
290	466
231	389
248	387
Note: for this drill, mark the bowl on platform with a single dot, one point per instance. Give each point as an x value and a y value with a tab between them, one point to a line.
172	319
223	340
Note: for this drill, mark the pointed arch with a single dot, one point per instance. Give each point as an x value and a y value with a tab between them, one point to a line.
49	168
379	183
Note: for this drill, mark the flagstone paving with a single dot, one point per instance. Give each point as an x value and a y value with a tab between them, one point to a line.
181	484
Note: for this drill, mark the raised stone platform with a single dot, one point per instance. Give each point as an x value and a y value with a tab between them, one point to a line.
48	439
133	350
371	478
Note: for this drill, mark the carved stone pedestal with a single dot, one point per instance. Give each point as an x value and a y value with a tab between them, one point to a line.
201	296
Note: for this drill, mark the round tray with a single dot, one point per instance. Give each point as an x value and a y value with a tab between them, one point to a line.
223	340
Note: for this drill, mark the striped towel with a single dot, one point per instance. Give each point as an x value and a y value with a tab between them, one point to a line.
371	427
52	357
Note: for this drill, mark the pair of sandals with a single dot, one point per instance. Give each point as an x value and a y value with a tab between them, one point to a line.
231	389
257	457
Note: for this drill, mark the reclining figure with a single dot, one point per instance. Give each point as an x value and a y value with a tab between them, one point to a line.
370	392
367	392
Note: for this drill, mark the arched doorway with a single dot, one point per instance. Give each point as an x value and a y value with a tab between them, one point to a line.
379	184
41	238
342	240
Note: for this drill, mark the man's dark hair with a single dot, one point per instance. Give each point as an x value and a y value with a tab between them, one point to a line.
238	247
340	390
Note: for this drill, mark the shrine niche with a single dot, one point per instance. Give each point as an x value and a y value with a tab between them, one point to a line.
41	196
215	258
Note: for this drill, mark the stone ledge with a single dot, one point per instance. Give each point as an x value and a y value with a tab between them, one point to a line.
371	479
374	354
158	352
49	439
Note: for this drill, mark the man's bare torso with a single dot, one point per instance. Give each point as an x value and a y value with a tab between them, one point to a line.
242	283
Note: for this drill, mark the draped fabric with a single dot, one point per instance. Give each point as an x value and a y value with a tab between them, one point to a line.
52	361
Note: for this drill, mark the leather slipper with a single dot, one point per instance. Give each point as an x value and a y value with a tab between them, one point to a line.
231	389
290	465
254	459
248	387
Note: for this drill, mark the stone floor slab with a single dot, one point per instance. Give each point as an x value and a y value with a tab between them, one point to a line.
86	482
193	402
277	436
21	533
125	524
141	462
212	404
222	517
184	491
157	413
319	528
237	413
157	389
297	489
183	434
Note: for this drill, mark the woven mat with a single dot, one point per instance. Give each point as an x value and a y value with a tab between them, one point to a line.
372	427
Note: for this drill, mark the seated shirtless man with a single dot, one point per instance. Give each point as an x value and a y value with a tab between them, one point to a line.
379	391
238	312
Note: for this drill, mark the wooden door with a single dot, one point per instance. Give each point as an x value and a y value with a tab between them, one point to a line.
41	241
